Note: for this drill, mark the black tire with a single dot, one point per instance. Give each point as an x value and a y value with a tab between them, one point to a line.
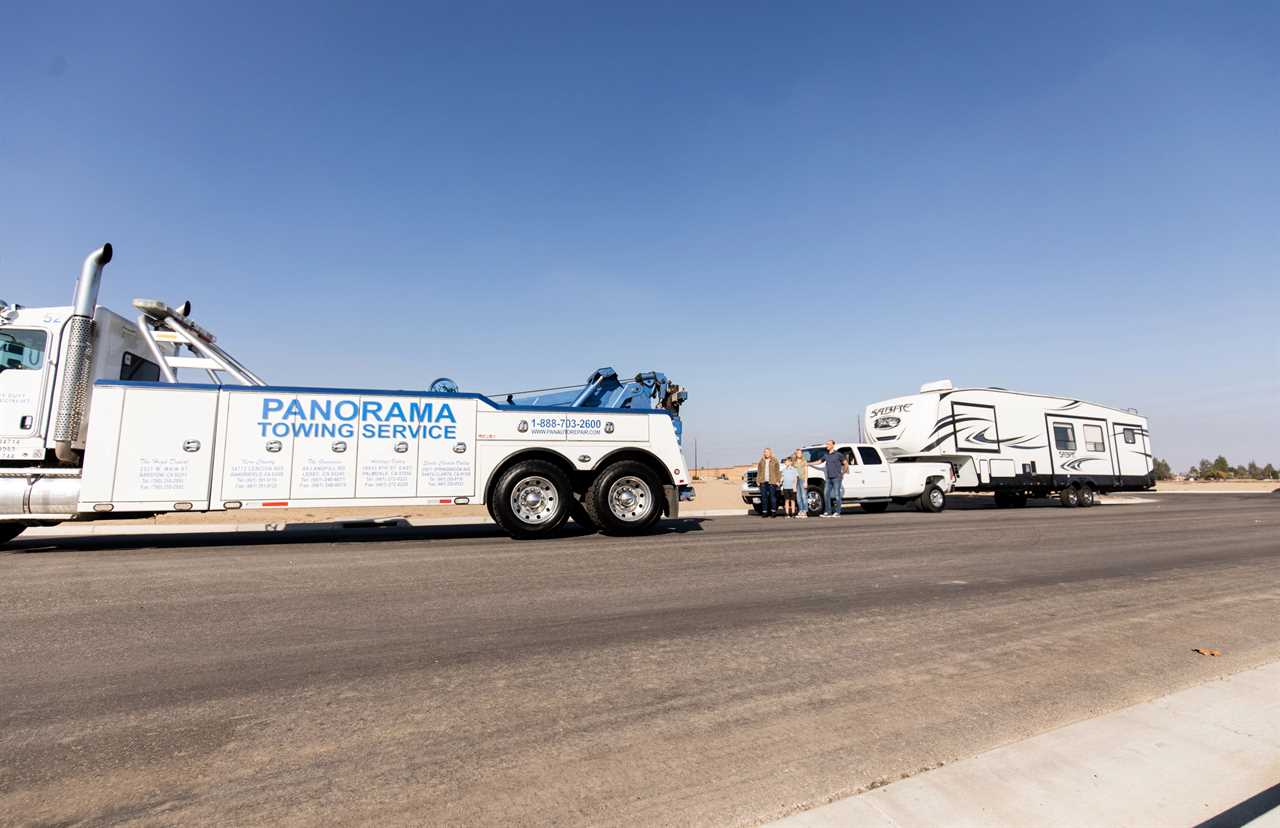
814	495
579	515
536	478
1004	500
9	531
875	507
932	499
757	508
1069	497
1019	500
1087	496
626	499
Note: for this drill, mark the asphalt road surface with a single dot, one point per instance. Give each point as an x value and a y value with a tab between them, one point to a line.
726	671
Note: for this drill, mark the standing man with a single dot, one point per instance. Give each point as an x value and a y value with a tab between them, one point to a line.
768	476
835	465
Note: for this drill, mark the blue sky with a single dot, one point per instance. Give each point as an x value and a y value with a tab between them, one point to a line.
793	209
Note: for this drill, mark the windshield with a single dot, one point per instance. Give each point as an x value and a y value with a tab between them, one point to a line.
22	350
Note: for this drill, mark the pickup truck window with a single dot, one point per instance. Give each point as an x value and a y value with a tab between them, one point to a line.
22	350
817	455
870	457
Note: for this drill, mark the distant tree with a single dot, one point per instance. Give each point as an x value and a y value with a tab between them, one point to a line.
1162	470
1221	464
1193	472
1253	471
1205	467
1269	472
1240	472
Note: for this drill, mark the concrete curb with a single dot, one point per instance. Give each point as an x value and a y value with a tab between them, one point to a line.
1179	760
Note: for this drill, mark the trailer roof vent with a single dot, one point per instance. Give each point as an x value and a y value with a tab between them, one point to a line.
940	385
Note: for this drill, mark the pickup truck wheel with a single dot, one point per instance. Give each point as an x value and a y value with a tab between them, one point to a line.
626	499
1070	497
813	501
9	531
531	500
933	499
875	508
1087	497
757	508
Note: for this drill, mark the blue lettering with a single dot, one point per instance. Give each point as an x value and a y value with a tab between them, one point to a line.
398	431
366	431
450	432
294	410
346	430
321	409
372	410
446	413
270	404
395	412
280	429
352	410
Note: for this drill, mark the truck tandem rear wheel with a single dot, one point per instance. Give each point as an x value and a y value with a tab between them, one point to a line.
626	499
531	500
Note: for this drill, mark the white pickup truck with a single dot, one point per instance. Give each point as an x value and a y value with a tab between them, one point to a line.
872	481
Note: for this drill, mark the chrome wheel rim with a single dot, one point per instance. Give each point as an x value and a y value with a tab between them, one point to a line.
630	499
535	500
935	498
813	501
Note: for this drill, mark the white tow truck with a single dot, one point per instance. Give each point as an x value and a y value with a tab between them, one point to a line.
871	482
96	423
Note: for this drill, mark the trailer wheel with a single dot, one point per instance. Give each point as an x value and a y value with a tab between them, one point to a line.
875	507
1087	496
579	515
813	501
626	499
531	500
1069	496
933	499
9	531
1004	500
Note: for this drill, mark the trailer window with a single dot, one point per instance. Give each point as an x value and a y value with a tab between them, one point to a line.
22	350
1064	436
134	367
870	457
1130	437
1093	438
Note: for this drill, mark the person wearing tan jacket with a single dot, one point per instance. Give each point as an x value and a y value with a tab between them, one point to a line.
768	476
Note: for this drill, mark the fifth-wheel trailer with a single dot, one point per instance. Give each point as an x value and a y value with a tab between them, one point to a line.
94	424
1017	445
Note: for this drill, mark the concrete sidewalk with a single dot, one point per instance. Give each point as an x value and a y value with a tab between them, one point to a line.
1180	760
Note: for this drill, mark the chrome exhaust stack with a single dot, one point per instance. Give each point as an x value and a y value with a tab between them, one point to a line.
78	363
